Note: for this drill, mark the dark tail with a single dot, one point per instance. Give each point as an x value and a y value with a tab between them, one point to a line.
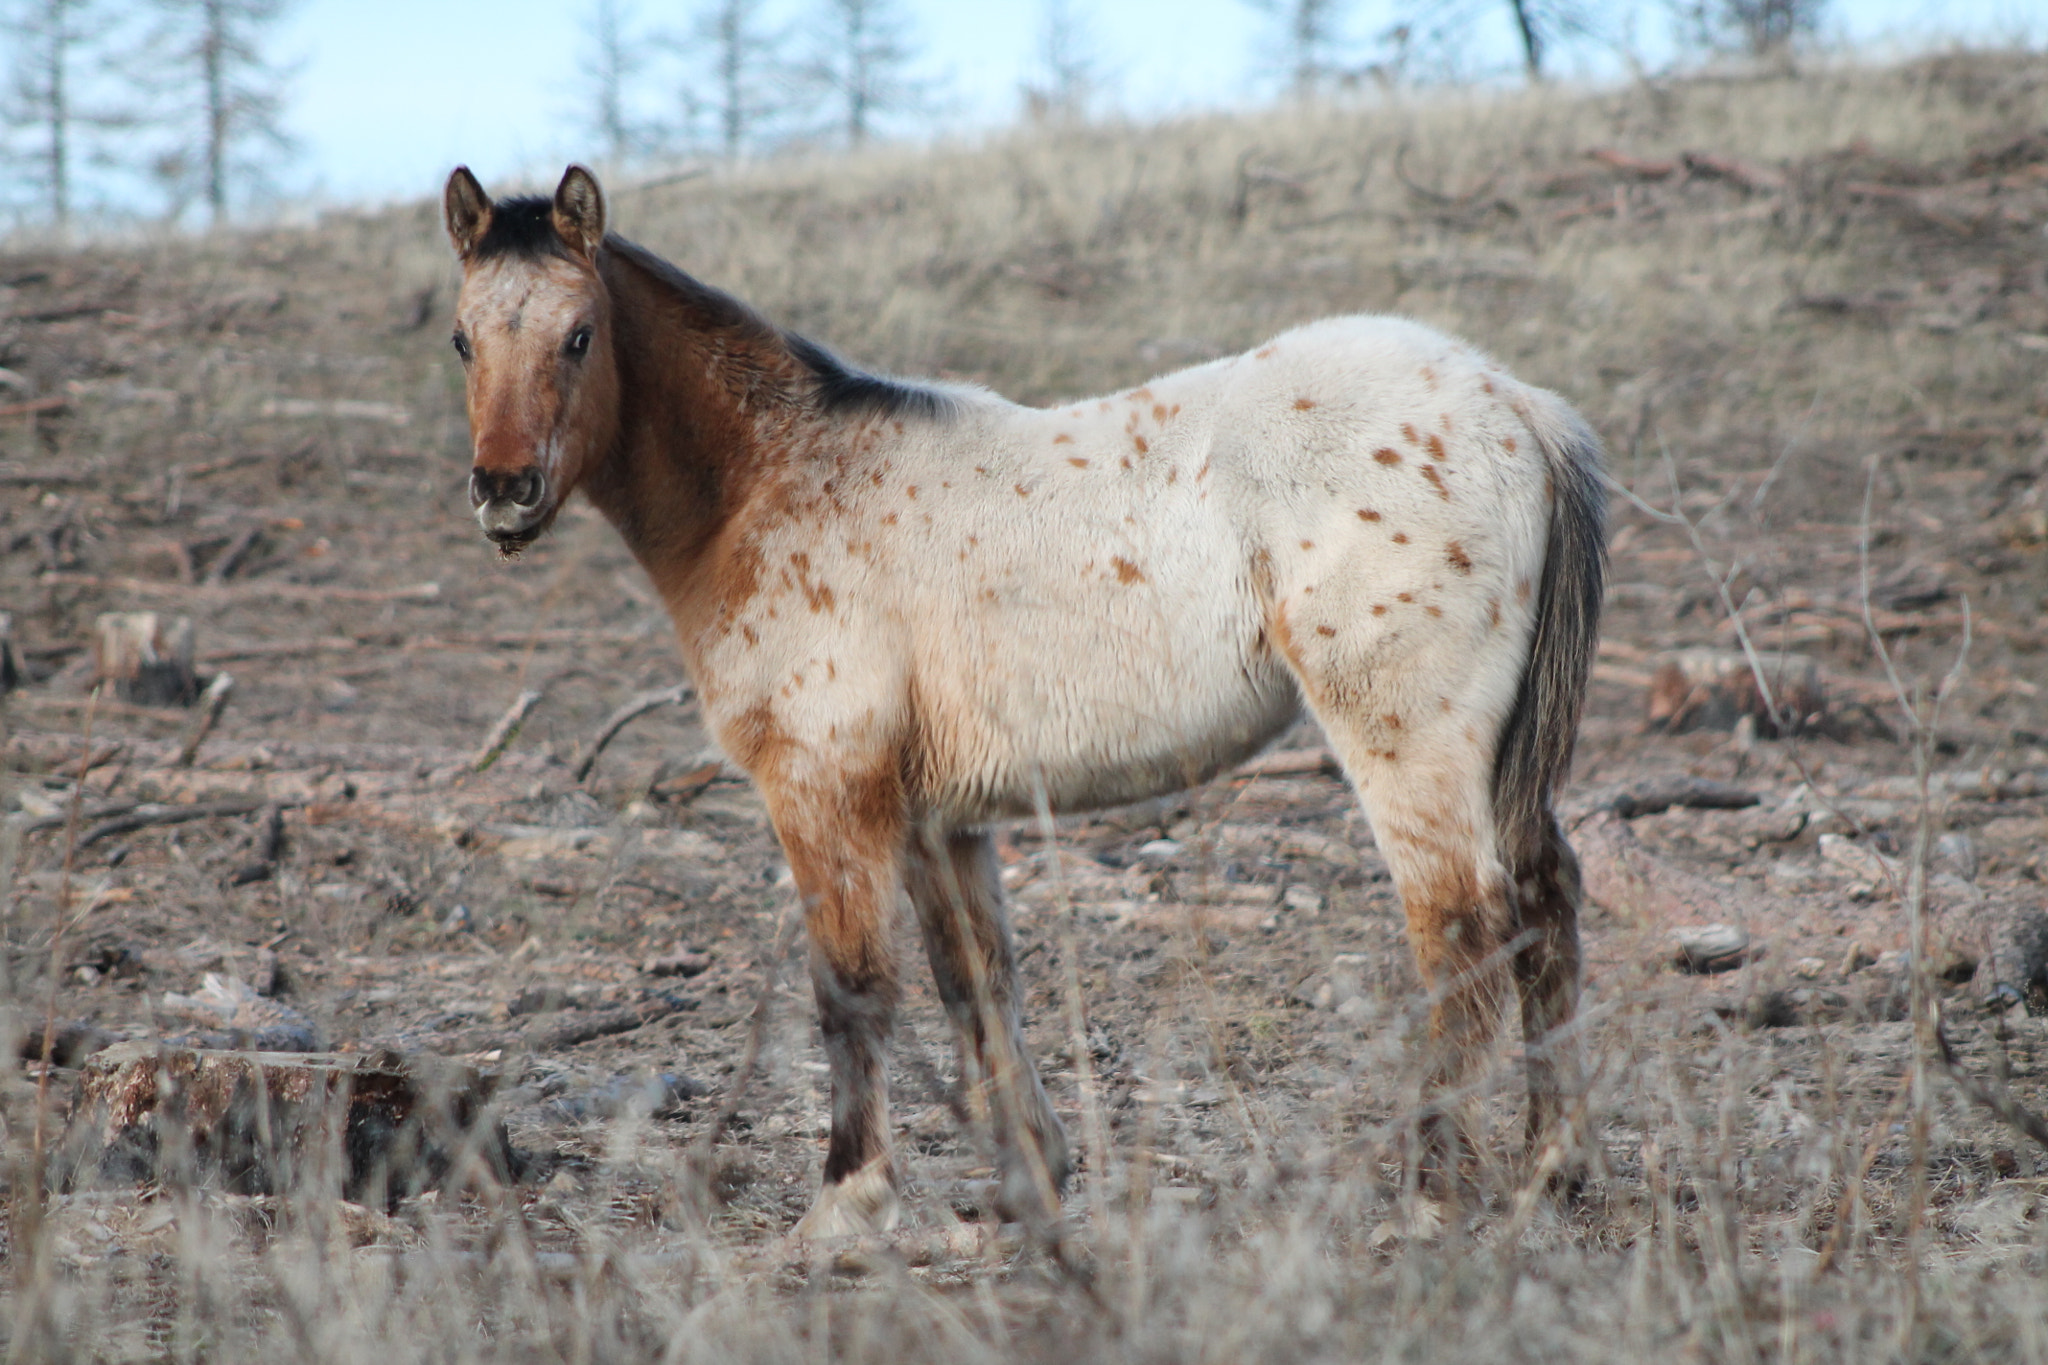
1535	752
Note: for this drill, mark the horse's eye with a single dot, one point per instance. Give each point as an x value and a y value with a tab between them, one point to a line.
579	344
462	347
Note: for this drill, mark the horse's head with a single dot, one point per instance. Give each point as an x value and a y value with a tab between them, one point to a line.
533	328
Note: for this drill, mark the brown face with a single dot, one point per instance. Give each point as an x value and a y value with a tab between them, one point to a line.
532	326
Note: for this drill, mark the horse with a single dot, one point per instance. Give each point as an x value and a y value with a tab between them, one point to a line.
910	610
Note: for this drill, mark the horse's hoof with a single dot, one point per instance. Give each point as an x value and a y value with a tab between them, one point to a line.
863	1203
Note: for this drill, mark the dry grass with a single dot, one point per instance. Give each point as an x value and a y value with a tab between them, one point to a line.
1754	1199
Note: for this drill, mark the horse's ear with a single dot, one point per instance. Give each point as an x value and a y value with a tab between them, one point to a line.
467	211
579	211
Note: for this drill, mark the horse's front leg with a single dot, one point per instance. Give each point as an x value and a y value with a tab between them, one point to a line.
845	849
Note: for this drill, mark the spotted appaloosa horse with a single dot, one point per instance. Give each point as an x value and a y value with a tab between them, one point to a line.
913	609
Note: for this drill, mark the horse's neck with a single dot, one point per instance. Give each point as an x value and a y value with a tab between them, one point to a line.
701	421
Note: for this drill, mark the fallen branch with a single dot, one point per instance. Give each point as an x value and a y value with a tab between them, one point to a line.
606	1023
15	475
278	649
505	731
230	558
1640	167
1996	1099
677	695
1691	793
142	817
54	403
290	592
1755	179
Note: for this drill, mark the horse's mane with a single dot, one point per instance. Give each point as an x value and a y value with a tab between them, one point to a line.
837	387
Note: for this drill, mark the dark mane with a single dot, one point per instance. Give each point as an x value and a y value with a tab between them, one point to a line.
523	225
837	386
841	388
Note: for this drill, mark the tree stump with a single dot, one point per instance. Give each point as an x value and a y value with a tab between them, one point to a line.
147	657
1704	689
372	1129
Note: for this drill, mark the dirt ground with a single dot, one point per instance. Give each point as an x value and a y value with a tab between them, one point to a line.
264	435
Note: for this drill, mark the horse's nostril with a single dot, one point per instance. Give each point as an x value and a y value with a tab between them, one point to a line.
523	489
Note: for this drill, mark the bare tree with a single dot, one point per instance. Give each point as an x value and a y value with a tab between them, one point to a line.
223	97
864	64
747	82
612	57
1760	28
1309	40
1444	26
54	100
1071	75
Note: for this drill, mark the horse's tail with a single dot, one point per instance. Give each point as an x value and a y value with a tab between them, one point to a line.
1535	749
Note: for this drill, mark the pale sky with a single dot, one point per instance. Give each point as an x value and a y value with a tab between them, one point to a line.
388	94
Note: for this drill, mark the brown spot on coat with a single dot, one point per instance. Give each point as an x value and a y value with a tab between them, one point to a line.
1433	610
1060	440
1508	444
912	491
1308	545
1022	491
1392	720
1434	444
1436	480
1408	433
1367	514
1459	560
1326	630
1404	597
1139	442
1077	462
1400	537
1493	613
1126	572
1379	609
1304	404
1159	412
1263	352
1387	455
1522	591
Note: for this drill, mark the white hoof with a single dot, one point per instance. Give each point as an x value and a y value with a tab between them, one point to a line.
865	1202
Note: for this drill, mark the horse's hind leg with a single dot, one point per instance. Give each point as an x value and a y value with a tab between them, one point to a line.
951	877
1547	899
1426	788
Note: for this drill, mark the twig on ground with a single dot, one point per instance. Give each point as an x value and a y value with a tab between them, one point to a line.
680	694
606	1023
1995	1098
501	735
698	1161
209	592
212	702
145	816
231	558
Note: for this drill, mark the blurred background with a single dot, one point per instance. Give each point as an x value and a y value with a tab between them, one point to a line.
125	113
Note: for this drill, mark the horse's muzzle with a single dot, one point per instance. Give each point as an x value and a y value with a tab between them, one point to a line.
510	507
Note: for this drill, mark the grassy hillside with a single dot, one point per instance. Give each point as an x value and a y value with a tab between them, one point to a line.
1767	293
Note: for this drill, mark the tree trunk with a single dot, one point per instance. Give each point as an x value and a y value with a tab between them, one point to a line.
1532	39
